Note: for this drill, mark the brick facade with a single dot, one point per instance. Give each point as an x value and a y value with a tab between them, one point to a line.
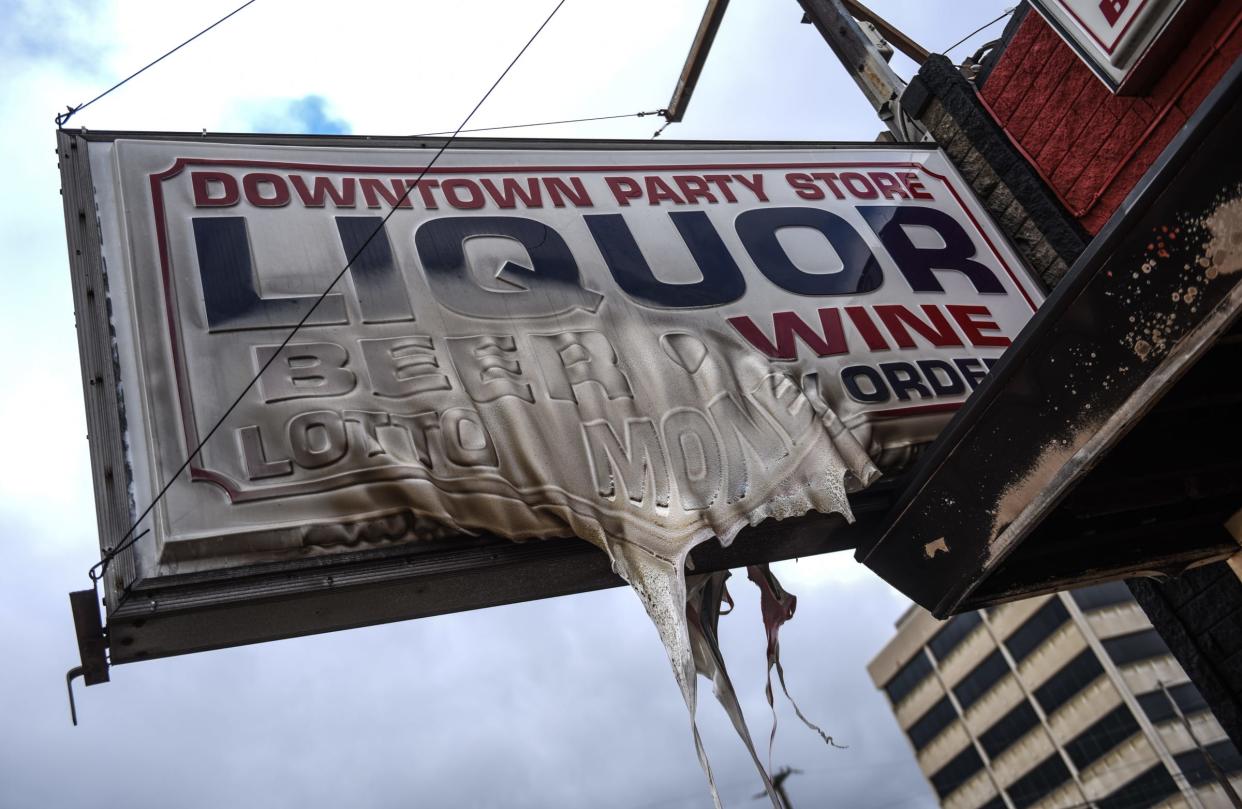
1089	145
1046	237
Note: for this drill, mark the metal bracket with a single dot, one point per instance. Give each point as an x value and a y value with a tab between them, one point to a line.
865	64
92	644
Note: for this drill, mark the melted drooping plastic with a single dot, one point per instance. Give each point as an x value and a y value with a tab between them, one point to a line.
778	607
686	613
706	593
661	586
822	460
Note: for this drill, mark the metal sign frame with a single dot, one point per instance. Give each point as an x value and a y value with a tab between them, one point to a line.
196	611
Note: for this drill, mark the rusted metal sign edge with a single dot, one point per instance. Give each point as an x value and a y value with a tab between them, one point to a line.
1105	346
713	15
99	371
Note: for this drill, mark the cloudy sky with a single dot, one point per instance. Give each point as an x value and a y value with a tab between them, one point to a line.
562	703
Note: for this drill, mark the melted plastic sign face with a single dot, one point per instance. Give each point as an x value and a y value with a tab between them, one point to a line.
638	347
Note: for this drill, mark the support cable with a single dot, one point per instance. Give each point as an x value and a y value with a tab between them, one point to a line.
127	541
63	118
983	27
544	123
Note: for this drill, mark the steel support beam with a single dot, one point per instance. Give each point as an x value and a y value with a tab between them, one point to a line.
890	32
695	60
873	75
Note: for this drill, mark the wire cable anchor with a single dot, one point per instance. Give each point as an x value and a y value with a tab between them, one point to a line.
70	111
62	118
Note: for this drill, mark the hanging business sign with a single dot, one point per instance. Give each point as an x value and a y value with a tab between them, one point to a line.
1114	36
611	341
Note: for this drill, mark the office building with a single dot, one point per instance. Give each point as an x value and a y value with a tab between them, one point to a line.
1068	700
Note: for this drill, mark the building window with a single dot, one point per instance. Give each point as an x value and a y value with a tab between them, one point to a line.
953	633
980	679
1008	729
1188	698
1194	765
1136	646
1073	677
1102	595
1032	787
908	677
960	769
1158	708
1109	731
929	725
1149	789
996	803
1028	637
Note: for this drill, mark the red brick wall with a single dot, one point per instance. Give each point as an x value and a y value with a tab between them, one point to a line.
1090	146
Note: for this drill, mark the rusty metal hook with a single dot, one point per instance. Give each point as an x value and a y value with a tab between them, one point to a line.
76	671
